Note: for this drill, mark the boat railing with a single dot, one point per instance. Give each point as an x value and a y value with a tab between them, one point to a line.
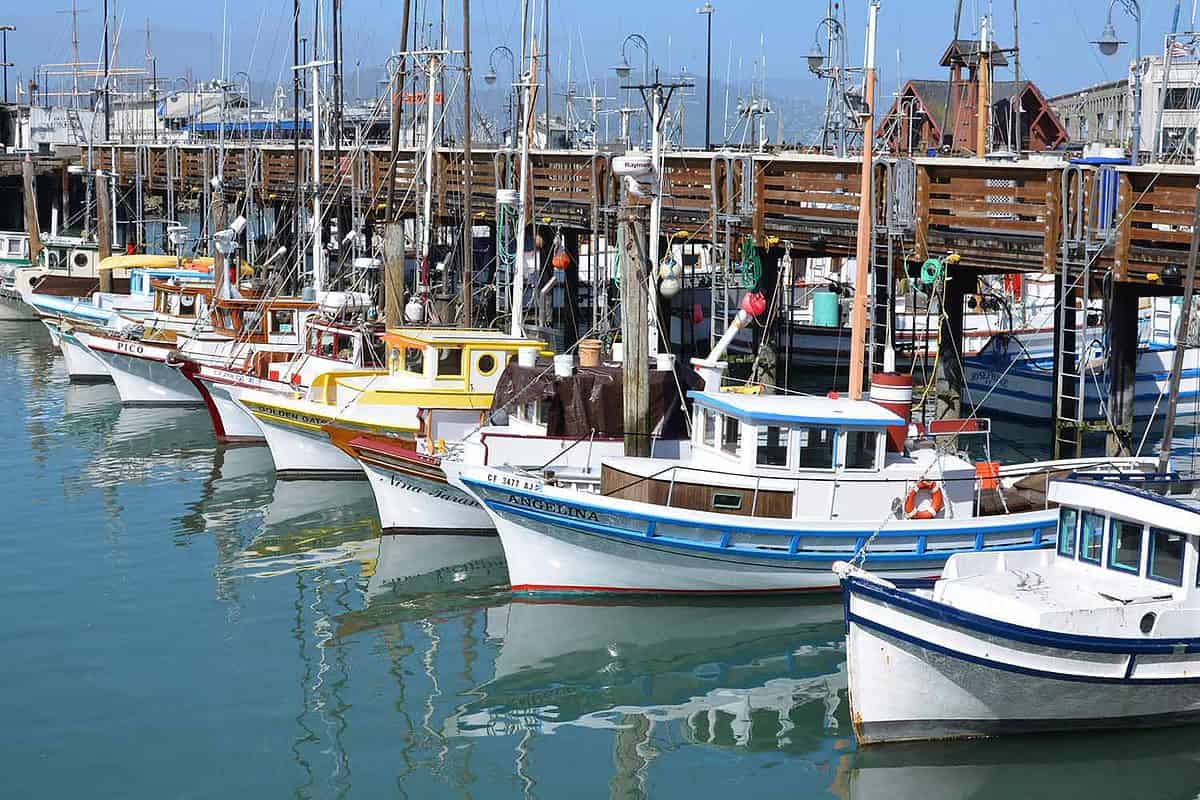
982	482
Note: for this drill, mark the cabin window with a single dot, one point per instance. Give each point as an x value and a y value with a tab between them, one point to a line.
722	501
709	420
414	359
1125	546
1166	555
772	446
486	364
731	436
862	448
252	320
449	363
53	261
187	305
816	448
283	321
227	319
1068	520
395	356
1091	537
372	353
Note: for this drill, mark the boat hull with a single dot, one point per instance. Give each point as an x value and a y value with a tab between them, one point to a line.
141	371
557	541
14	309
82	364
411	502
302	449
920	670
232	422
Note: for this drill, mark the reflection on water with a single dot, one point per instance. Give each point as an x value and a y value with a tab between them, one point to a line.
166	595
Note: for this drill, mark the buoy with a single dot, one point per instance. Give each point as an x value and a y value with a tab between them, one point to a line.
561	259
753	303
668	273
697	313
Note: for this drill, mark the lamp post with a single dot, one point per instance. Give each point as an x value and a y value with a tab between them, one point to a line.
490	79
623	69
1109	44
707	10
4	29
245	98
836	74
187	84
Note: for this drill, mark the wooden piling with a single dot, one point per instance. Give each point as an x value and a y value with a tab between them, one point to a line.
104	229
634	329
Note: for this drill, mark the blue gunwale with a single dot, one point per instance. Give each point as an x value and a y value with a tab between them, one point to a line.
940	612
919	554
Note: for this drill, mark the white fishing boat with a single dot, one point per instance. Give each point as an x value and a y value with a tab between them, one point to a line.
1099	632
66	267
338	338
118	310
776	489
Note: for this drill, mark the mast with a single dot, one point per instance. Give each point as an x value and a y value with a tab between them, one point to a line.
468	245
517	327
427	215
655	212
985	63
858	317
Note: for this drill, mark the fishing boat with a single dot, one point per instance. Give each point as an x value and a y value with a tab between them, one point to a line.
569	422
338	338
116	309
1099	632
437	388
66	267
1006	379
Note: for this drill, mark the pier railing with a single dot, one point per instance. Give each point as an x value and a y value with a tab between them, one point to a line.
997	215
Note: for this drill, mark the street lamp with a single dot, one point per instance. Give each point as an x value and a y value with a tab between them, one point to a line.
4	29
832	66
707	10
1108	44
490	79
623	69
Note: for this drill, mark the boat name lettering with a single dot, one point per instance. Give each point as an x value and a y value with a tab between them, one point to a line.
553	507
130	347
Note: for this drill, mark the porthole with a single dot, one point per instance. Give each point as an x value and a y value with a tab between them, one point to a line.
486	364
81	259
1147	623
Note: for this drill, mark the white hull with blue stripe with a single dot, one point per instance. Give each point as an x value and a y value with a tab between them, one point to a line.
1026	389
1099	633
81	363
559	540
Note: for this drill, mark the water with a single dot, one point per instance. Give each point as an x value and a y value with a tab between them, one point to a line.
178	624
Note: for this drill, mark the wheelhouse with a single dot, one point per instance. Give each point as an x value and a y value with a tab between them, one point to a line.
14	248
354	345
461	360
261	321
1131	533
788	434
178	299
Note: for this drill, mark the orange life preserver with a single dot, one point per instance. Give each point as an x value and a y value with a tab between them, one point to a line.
936	501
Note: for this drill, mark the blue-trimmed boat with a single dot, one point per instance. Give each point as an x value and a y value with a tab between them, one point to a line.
774	492
1103	631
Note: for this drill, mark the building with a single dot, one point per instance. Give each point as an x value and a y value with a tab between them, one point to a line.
943	115
1102	114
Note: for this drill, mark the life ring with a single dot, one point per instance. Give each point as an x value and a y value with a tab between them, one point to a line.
936	501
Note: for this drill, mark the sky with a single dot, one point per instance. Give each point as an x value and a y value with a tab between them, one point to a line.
1055	35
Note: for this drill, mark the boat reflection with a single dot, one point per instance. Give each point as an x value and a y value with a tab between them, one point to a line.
766	675
1159	763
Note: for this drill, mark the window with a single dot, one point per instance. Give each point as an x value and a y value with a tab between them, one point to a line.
709	419
731	437
395	356
772	446
1068	520
1166	555
1179	142
1125	546
449	362
414	359
816	447
726	502
1181	98
486	364
861	449
283	321
372	353
1091	537
227	319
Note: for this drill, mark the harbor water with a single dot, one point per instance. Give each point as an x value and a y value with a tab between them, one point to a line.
177	623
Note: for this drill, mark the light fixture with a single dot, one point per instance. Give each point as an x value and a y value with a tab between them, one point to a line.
1108	43
816	58
623	69
490	77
